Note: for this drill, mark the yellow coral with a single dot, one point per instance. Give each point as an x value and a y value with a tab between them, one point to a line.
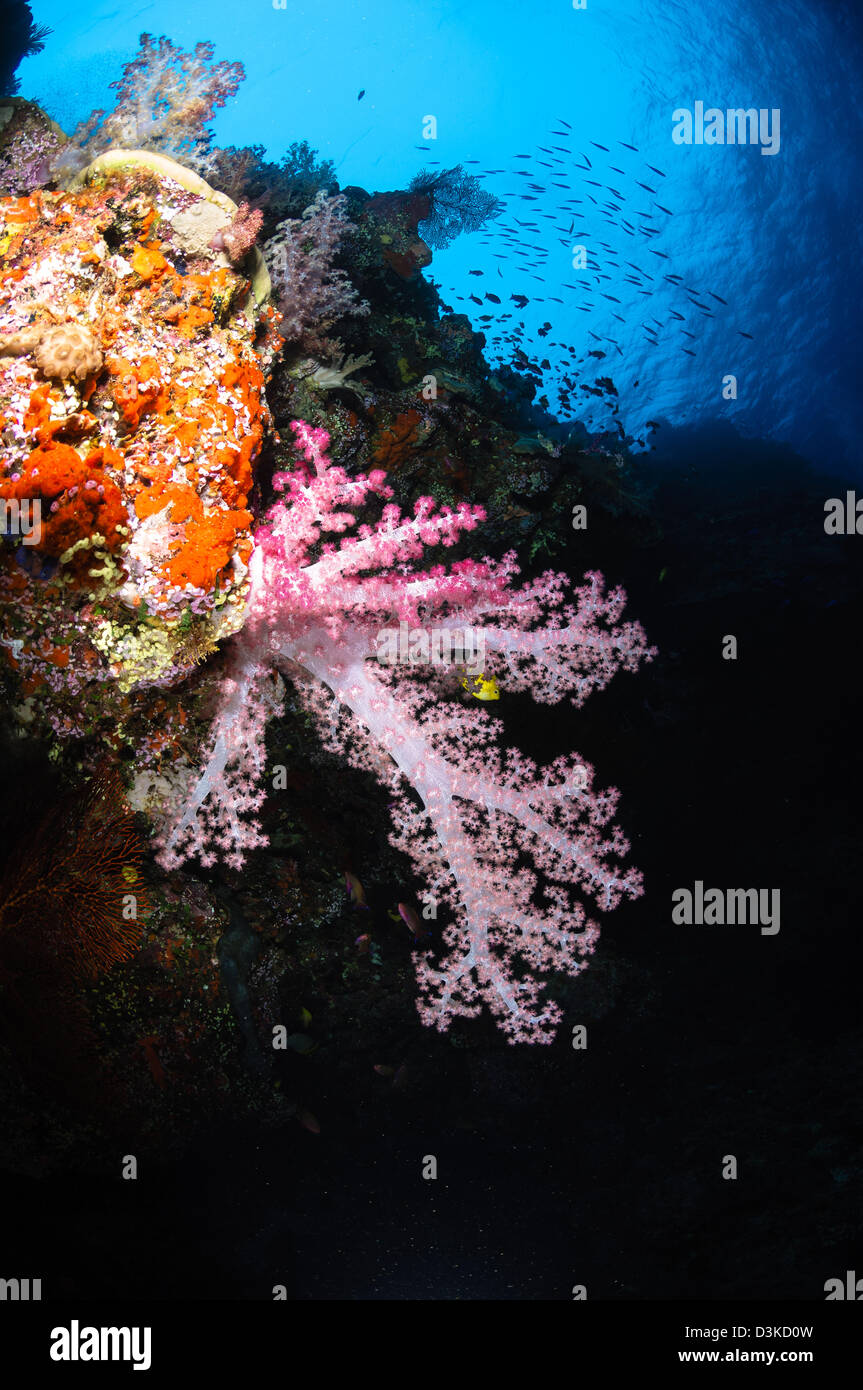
142	654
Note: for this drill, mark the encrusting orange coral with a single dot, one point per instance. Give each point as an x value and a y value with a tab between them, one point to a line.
132	408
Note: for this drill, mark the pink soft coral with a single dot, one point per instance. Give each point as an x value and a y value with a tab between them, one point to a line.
240	237
503	844
166	100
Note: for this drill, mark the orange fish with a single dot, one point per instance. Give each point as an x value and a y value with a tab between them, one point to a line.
356	892
412	921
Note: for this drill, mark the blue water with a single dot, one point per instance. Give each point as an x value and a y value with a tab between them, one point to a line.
778	237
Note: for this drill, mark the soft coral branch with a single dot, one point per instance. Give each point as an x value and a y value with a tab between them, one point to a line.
166	100
506	847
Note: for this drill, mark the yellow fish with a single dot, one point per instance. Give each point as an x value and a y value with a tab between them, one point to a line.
482	689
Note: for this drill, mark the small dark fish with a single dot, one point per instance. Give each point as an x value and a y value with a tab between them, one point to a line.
688	335
485	318
645	186
600	147
610	296
717	296
422	147
657	253
744	335
662	209
361	94
519	300
628	147
521	156
493	297
476	272
656	171
674	315
562	122
476	300
691	353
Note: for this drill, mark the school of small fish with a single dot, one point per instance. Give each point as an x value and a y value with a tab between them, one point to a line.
576	216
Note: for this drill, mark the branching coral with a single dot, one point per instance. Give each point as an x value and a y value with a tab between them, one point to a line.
141	444
75	880
165	101
312	292
503	844
459	203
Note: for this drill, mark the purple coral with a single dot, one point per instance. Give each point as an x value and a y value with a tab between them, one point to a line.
26	159
300	259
